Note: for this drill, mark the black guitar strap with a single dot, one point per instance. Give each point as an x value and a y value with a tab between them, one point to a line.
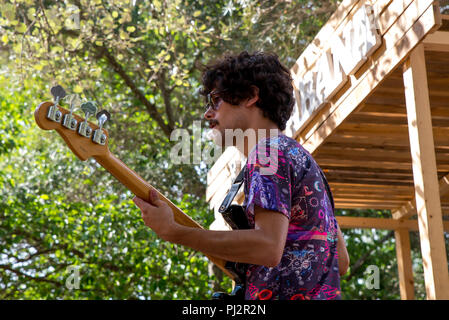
232	192
226	204
234	214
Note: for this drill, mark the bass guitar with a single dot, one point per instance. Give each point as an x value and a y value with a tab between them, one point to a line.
90	140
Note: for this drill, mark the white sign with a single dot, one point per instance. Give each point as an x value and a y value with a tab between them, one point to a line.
348	51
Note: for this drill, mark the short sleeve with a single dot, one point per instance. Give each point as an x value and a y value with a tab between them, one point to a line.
268	180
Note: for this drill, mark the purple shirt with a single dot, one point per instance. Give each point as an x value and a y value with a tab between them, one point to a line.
296	189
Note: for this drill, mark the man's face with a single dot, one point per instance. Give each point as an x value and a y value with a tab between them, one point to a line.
223	115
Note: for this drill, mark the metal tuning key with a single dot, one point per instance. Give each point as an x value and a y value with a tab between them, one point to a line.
90	109
53	113
69	120
99	137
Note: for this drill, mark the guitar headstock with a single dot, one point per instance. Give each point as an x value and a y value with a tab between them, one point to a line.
83	137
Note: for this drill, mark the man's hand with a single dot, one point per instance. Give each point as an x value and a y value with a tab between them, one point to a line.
157	215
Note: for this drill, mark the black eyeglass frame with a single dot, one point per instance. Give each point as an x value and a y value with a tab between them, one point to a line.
210	97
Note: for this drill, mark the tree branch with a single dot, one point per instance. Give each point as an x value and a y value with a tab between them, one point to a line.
359	263
22	274
166	96
151	108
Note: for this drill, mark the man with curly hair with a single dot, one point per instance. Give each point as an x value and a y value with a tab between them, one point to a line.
292	244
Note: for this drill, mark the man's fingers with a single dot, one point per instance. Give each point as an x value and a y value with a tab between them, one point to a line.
142	204
153	196
137	201
153	201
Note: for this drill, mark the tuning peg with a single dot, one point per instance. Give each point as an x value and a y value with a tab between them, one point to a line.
89	108
103	116
54	113
58	93
99	137
69	120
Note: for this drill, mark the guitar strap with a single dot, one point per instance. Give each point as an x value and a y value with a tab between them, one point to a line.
234	215
236	218
225	207
232	192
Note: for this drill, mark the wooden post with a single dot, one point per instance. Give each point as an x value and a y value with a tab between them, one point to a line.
425	177
405	270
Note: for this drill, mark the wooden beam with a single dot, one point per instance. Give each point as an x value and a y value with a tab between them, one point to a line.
419	19
381	129
405	211
365	186
362	205
380	139
409	208
379	193
366	200
392	13
325	161
380	179
373	223
311	53
391	119
438	41
387	12
427	196
221	175
220	181
404	258
444	185
385	64
375	197
218	198
381	109
380	223
366	154
230	154
380	6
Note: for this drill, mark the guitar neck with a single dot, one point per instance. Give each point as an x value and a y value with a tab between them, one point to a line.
141	188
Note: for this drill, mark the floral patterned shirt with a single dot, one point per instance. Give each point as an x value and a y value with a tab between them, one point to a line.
293	185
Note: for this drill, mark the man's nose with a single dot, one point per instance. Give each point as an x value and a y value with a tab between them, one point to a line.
209	114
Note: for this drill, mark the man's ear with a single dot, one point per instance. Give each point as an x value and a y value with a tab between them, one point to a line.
254	96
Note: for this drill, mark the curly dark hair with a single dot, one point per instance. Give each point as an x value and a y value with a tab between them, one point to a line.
236	76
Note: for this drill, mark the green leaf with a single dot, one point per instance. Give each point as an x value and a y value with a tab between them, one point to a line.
21	28
78	89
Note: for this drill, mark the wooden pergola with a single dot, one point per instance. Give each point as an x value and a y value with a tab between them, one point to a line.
377	124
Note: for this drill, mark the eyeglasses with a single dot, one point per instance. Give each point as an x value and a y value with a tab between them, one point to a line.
213	100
